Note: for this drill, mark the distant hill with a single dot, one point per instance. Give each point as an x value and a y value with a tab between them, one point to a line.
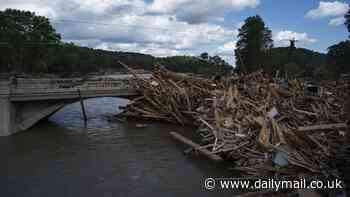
189	64
302	61
67	59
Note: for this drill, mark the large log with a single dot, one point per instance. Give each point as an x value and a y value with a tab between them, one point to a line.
196	146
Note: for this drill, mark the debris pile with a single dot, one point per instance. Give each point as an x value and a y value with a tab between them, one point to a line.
169	97
268	130
267	127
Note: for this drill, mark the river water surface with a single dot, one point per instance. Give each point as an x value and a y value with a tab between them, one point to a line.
63	157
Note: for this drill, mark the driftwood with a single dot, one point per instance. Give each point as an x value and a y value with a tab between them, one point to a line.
196	147
169	96
252	120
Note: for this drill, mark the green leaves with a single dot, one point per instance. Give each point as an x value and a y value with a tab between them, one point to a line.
339	57
25	39
347	20
254	40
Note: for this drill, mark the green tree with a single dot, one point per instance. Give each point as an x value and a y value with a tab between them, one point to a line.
254	41
339	57
25	39
28	43
347	20
205	56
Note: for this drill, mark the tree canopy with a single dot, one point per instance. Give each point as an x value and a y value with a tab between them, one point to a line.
339	57
204	55
254	39
339	54
24	39
347	20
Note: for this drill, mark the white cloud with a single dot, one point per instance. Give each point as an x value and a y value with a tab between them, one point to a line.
41	8
227	49
160	37
150	48
328	9
240	24
282	38
199	11
337	21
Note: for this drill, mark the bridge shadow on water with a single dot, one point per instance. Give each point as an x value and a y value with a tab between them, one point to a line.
63	157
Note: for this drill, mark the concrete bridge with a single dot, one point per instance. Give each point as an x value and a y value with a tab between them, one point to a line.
25	102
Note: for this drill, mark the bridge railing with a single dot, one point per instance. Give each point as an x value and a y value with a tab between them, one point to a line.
4	88
42	86
22	83
23	86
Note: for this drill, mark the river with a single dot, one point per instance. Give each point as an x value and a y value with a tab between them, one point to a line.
63	157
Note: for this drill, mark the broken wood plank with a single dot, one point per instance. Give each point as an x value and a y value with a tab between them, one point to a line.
196	146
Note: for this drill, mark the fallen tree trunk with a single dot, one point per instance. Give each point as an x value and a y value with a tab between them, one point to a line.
196	147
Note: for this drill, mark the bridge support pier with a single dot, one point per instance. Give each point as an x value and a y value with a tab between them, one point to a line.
20	116
7	117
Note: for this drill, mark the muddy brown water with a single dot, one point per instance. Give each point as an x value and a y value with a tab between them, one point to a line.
63	157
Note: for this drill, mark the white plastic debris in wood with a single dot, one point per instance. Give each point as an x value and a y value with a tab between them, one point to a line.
154	83
272	113
281	159
240	135
228	123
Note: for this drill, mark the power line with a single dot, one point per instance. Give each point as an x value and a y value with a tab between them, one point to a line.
112	24
176	31
92	22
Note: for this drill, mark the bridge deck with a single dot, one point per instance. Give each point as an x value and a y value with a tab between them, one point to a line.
60	89
72	94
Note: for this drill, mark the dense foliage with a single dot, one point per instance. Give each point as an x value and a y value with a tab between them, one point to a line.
254	51
339	54
339	58
298	63
254	41
347	20
210	66
25	39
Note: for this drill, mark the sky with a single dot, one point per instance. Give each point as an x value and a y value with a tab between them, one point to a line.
188	27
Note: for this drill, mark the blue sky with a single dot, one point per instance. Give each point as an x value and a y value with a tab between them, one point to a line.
188	27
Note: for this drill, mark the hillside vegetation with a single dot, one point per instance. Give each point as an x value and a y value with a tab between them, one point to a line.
300	63
30	44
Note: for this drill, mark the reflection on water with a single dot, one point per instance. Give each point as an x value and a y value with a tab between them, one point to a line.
63	157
